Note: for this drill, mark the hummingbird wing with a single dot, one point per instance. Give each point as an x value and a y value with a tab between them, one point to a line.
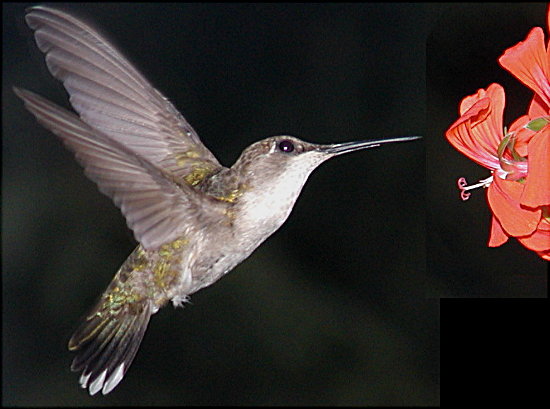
111	96
158	207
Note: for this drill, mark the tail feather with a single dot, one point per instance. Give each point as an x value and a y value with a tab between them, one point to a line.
107	342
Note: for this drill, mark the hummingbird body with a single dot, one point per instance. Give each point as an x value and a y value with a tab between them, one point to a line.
194	219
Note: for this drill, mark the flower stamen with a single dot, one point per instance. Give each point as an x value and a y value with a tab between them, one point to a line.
463	186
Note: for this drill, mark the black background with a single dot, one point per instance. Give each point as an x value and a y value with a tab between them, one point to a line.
341	305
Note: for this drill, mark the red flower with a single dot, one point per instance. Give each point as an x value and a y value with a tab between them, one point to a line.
529	61
519	159
478	134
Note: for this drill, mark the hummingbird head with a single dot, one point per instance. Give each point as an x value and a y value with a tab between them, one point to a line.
287	156
273	172
278	156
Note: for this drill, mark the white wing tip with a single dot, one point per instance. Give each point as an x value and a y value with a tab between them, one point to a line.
84	379
96	385
100	383
114	379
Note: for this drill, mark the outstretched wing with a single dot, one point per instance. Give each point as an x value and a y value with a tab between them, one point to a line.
111	96
158	208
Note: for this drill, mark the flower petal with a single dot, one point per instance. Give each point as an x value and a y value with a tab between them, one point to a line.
528	62
537	185
522	134
498	237
503	197
478	132
538	108
540	240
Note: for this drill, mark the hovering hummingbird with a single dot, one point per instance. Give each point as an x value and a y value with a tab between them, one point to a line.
194	219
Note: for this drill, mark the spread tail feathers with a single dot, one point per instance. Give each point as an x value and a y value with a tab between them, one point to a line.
107	341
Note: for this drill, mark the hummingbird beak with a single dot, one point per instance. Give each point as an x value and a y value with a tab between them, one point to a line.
340	148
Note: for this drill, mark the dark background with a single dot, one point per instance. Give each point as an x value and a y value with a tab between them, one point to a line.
338	307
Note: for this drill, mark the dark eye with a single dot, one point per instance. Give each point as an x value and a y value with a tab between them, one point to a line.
286	146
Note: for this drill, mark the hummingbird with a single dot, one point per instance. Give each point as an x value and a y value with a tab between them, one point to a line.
194	219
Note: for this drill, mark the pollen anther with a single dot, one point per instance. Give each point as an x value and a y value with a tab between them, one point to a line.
463	186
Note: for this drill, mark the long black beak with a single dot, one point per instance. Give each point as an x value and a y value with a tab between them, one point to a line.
340	148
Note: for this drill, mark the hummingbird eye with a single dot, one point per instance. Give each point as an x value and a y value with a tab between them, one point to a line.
286	146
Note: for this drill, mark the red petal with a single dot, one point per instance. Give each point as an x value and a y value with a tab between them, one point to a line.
478	132
498	237
523	135
503	197
538	108
528	61
540	240
537	185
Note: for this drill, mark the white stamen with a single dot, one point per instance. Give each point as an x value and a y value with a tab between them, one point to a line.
463	186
